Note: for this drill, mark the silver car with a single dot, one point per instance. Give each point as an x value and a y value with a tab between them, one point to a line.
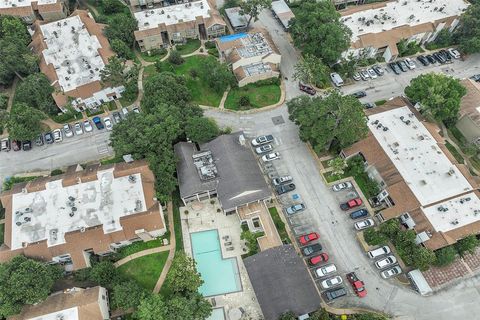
78	128
392	272
342	186
331	282
108	123
386	262
87	125
67	130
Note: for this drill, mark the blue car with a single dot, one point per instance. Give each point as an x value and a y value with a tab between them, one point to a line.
98	123
359	214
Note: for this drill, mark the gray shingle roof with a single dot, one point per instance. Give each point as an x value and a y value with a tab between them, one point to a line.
239	180
281	282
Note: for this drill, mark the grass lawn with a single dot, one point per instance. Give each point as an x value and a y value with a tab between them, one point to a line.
111	106
191	46
98	5
138	246
149	71
279	224
330	177
260	95
145	270
154	55
454	152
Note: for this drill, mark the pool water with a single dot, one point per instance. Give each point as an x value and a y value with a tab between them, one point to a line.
220	275
217	314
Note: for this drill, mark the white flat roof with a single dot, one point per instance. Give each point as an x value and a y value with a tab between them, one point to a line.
169	15
73	52
455	213
22	3
49	214
415	153
401	12
67	314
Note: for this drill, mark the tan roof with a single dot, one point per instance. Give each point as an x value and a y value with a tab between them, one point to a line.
471	101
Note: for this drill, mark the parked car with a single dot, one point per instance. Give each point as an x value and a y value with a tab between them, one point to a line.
476	77
281	180
372	254
402	65
116	117
27	145
98	123
410	63
78	128
136	110
49	139
423	60
271	156
359	94
386	262
67	130
333	294
108	123
295	209
378	70
372	73
321	258
364	75
284	188
306	88
454	53
16	145
57	135
359	214
446	55
307	238
351	204
392	272
439	58
331	282
368	105
325	270
336	79
356	76
124	112
39	140
394	68
311	249
342	186
264	149
5	145
357	285
364	224
262	140
431	59
87	125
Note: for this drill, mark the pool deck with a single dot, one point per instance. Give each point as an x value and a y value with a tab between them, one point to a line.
203	216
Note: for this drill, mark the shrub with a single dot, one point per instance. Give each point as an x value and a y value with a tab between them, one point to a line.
445	256
374	237
244	101
175	57
213	52
157	52
56	172
193	73
3	101
210	44
467	245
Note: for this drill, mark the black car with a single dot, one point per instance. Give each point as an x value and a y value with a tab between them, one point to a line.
359	214
49	138
368	105
431	59
284	188
423	60
359	94
27	145
476	77
39	140
439	58
394	68
335	293
311	249
402	65
446	55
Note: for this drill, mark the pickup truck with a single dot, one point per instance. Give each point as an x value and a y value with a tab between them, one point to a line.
357	285
284	188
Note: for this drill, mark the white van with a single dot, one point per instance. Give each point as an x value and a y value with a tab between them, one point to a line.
419	283
336	79
372	254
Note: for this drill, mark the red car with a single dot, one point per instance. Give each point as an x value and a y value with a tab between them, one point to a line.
306	88
357	285
313	261
306	238
350	204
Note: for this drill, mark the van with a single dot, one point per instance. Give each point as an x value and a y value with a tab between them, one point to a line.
419	283
336	79
372	254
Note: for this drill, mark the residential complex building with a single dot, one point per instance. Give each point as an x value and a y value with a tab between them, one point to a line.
65	219
469	116
162	27
252	56
71	304
377	28
421	182
72	53
29	11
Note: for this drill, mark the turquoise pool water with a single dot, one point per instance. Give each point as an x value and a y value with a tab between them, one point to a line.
217	314
220	275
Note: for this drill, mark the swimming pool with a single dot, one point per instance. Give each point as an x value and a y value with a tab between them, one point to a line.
220	275
217	314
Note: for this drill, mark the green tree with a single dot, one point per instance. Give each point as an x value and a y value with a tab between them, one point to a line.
152	308
165	88
438	94
467	245
112	6
113	73
368	316
121	27
14	28
200	129
251	240
216	75
121	48
374	237
444	38
253	8
423	258
183	276
175	57
325	120
338	165
191	307
104	273
36	91
23	122
24	281
320	314
289	315
390	228
445	256
468	32
3	101
128	295
312	70
317	30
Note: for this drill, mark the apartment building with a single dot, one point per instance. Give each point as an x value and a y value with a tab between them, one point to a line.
377	28
71	304
422	183
165	26
65	219
29	11
72	53
252	56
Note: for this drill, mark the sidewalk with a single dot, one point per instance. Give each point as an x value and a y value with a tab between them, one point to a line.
171	254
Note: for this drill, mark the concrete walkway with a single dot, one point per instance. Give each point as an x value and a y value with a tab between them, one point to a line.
171	254
224	98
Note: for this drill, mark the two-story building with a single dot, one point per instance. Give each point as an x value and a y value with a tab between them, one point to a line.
29	11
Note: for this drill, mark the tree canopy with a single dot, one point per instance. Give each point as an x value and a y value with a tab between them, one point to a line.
36	91
217	76
438	94
334	118
121	26
183	276
317	30
201	129
128	294
253	8
468	32
311	70
23	122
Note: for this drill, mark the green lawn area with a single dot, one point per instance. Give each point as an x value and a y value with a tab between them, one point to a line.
149	71
329	177
154	55
2	230
259	95
138	246
454	152
191	46
279	224
145	270
98	5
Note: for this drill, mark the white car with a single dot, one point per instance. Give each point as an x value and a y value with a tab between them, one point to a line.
88	126
281	180
78	128
410	63
263	149
57	135
454	52
372	254
386	262
392	272
364	224
342	186
326	270
67	129
262	140
331	282
372	73
271	156
108	123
